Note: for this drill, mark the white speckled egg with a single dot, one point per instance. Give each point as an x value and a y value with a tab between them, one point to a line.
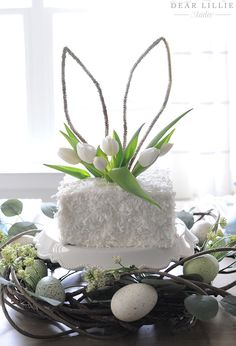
200	229
206	266
50	287
134	301
24	240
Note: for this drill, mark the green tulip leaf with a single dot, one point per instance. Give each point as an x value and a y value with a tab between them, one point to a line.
131	147
95	172
229	304
12	207
49	209
101	153
75	172
165	140
73	140
203	307
157	138
20	227
118	158
122	177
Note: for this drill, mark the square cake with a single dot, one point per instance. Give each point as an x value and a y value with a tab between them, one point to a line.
95	213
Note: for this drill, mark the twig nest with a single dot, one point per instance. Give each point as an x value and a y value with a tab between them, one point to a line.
200	229
134	301
206	266
50	287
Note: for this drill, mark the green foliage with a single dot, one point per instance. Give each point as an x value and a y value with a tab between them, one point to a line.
131	147
74	171
20	227
12	207
49	209
186	217
122	177
203	307
229	304
117	160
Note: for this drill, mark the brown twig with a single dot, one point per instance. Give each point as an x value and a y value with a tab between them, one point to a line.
155	43
9	241
64	92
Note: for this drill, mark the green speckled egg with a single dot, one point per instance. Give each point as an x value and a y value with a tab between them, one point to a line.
50	287
35	272
206	266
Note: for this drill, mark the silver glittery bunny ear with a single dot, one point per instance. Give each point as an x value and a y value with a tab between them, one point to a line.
167	94
66	51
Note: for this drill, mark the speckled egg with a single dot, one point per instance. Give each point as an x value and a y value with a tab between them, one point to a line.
206	266
35	272
200	229
134	301
50	287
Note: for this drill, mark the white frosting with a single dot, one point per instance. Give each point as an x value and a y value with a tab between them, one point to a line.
95	213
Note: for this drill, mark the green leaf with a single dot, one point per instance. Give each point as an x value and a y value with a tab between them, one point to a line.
95	172
128	182
12	207
131	147
68	139
203	307
157	138
20	227
118	158
73	139
75	172
165	140
49	209
5	282
186	217
100	153
229	304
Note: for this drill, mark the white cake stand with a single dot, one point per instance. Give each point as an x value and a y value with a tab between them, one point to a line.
74	257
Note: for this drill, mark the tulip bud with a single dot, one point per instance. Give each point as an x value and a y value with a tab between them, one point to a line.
68	155
86	152
110	146
148	156
166	148
100	163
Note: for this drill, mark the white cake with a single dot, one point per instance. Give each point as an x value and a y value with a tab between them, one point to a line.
96	214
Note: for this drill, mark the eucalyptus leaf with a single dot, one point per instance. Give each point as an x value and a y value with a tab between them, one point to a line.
75	172
49	209
12	207
20	227
128	182
157	282
229	304
203	307
118	158
131	147
186	217
5	282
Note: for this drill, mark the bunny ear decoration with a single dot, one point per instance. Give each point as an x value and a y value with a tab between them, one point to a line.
66	51
167	94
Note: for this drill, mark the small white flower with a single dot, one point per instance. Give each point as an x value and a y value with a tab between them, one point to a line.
166	148
100	163
148	156
110	146
86	152
68	155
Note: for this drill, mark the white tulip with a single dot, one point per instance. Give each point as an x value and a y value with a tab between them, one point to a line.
166	148
100	163
68	155
110	146
148	156
86	152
